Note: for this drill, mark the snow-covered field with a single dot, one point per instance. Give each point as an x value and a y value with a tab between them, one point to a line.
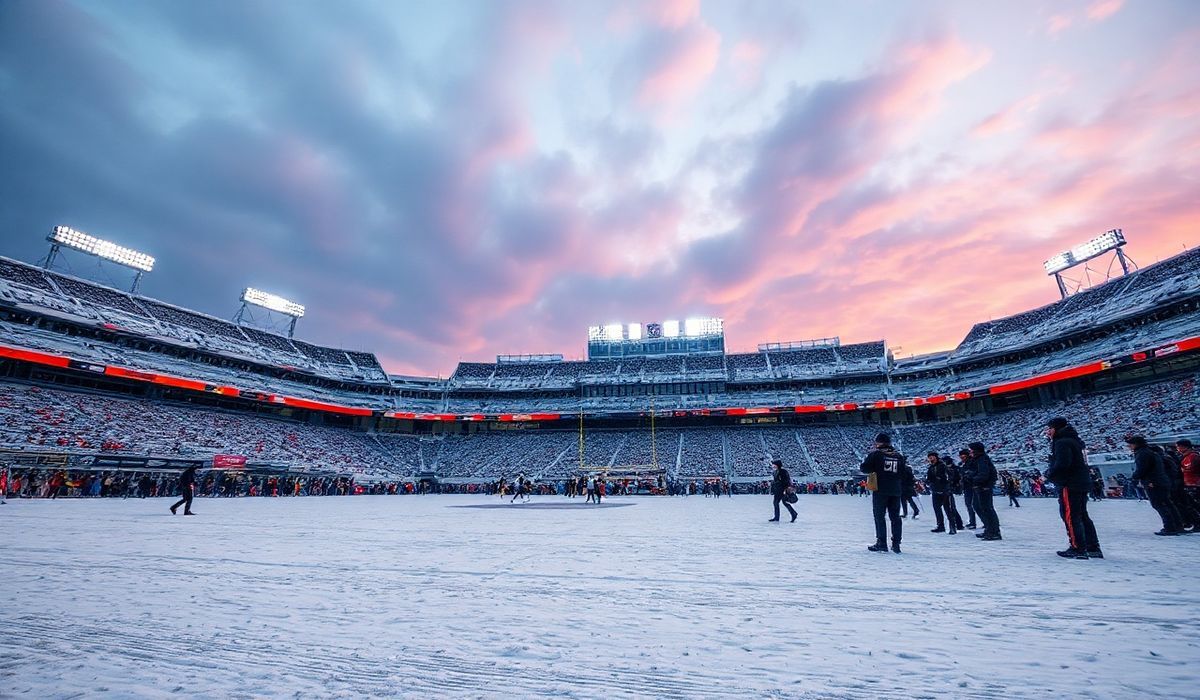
411	596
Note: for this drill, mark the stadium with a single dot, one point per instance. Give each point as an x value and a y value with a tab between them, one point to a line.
610	349
108	394
106	379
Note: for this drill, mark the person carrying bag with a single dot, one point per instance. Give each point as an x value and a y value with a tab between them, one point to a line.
781	482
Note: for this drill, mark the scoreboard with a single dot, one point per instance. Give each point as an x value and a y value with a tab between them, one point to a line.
619	340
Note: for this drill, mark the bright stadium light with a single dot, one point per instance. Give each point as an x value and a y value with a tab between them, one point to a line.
272	302
1112	240
595	332
613	331
697	327
635	331
1100	244
69	237
1058	263
670	329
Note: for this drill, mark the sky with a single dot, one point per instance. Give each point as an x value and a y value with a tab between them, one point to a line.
440	182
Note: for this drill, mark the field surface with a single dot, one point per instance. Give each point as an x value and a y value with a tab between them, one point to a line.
684	597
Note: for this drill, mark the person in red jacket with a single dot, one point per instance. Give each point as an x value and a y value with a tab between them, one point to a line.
1189	462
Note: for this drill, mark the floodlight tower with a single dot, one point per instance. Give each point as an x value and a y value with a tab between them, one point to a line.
65	236
270	302
1113	240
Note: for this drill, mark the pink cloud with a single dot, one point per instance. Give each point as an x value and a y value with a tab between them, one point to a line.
678	63
1008	119
674	14
1057	23
1096	12
824	247
829	138
1103	9
747	60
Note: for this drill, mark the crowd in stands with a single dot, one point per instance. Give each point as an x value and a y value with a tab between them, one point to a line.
81	483
47	419
747	364
806	362
872	353
1016	437
42	419
704	364
52	483
703	453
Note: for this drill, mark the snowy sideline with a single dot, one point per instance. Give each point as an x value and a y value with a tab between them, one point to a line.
675	597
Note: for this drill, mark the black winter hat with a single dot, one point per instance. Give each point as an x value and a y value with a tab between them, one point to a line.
777	462
1136	440
883	439
1058	423
977	447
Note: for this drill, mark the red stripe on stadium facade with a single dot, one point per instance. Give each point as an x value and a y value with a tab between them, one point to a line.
40	358
36	357
1082	370
327	407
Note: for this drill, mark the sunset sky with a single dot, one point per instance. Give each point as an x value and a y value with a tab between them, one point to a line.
451	180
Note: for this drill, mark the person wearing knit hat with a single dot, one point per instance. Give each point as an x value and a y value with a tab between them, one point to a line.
983	478
1068	470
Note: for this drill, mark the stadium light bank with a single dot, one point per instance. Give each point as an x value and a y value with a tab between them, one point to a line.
270	302
65	236
1112	240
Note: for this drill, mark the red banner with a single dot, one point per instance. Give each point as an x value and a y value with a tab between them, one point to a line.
229	462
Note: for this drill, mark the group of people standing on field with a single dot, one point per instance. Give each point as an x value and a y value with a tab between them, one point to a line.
1171	480
590	485
972	476
1170	477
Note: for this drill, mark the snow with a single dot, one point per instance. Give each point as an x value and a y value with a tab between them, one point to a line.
411	596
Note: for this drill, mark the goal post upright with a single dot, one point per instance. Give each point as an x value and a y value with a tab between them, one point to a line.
653	443
581	462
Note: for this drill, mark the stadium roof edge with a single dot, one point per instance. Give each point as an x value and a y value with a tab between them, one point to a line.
176	307
1126	277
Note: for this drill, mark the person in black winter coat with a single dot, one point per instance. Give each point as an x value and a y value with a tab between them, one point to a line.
886	464
983	478
779	486
1069	472
966	476
1175	476
955	488
187	489
1148	469
1012	489
938	480
908	492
